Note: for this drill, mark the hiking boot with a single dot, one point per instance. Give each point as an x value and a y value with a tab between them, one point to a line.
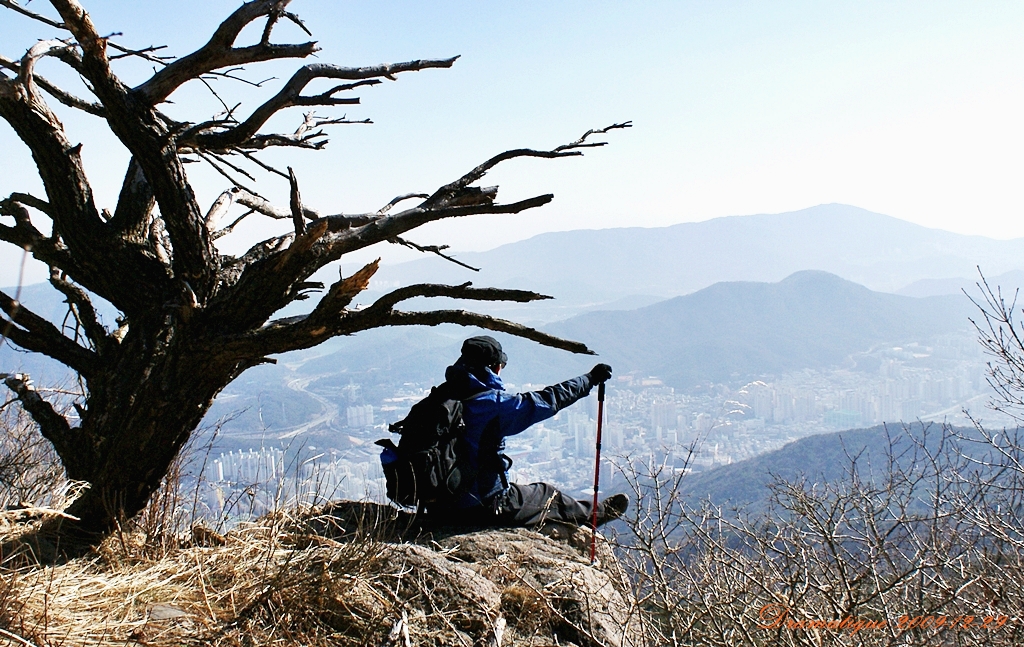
612	508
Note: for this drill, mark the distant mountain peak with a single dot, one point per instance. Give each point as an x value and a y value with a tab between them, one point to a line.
822	278
810	319
816	276
875	250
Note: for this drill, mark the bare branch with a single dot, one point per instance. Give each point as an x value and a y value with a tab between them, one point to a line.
389	226
146	133
78	22
26	236
257	161
327	98
220	207
234	167
275	265
260	205
64	97
228	112
456	189
32	332
143	53
14	6
1002	337
219	52
14	208
408	196
290	95
311	141
30	200
582	141
295	202
432	249
293	18
356	232
208	158
337	222
341	295
465	318
295	254
28	63
227	230
84	311
59	163
330	318
53	426
464	291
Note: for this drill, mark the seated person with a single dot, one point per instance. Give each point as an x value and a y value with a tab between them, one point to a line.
491	415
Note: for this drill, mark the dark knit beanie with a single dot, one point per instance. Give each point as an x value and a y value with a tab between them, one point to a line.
482	351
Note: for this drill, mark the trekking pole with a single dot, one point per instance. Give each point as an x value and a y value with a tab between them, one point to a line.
597	472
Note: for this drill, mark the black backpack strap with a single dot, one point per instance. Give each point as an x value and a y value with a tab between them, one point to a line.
505	465
498	462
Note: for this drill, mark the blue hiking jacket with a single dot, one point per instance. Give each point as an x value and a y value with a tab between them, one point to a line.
491	415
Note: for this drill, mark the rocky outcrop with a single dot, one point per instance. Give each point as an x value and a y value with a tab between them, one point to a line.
510	586
347	574
547	587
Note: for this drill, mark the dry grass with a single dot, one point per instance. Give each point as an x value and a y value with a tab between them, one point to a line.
263	585
30	473
328	576
280	579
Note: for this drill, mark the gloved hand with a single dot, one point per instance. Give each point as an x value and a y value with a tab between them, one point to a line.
600	373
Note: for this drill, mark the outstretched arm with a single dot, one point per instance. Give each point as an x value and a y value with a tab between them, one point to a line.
518	412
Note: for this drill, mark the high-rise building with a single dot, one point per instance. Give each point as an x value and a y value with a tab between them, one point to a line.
359	416
664	415
703	423
582	431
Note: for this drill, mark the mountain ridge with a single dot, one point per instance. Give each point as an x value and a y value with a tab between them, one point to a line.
811	319
601	265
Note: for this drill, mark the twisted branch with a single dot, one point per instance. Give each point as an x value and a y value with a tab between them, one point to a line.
465	318
451	191
290	95
57	93
331	318
219	51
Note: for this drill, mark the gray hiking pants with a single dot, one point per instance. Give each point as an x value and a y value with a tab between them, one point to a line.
520	505
533	504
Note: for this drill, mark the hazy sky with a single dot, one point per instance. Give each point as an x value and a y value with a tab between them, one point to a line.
912	109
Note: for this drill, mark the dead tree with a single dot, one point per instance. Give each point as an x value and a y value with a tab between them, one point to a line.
191	317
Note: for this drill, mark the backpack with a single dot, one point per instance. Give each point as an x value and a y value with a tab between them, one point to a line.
425	467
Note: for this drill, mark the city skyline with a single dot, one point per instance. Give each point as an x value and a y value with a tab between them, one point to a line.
698	429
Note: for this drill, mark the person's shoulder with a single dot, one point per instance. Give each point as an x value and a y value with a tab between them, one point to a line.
493	398
482	395
481	399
